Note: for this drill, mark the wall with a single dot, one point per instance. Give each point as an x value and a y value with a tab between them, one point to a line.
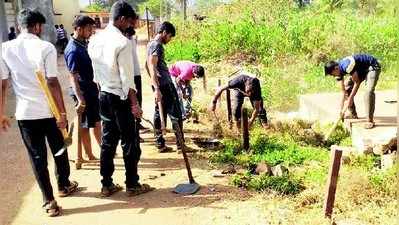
68	10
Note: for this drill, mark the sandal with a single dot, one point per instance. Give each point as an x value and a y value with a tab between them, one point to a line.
52	209
139	189
73	187
369	125
110	190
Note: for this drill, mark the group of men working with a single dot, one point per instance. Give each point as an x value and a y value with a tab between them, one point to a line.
106	85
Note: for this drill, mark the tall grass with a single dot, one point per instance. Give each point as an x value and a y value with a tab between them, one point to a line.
289	44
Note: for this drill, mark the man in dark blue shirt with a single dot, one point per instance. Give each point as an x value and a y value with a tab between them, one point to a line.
243	86
84	91
360	67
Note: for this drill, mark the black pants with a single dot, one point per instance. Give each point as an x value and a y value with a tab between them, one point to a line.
34	134
118	124
139	95
238	100
171	107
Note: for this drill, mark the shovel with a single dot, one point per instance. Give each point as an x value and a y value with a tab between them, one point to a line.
188	188
54	109
341	116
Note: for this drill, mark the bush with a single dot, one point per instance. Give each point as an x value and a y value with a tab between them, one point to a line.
285	185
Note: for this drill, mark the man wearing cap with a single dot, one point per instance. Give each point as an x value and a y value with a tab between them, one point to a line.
359	67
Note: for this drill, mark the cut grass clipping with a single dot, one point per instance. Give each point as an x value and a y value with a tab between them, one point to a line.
286	184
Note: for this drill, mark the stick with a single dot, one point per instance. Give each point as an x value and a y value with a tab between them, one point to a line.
183	151
161	113
331	131
336	155
50	100
245	130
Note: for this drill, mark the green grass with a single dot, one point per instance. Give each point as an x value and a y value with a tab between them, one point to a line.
289	45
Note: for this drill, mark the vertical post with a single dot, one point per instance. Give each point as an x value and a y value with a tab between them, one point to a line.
219	86
244	127
336	155
228	100
148	23
185	10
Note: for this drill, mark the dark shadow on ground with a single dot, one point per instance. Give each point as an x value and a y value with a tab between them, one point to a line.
162	198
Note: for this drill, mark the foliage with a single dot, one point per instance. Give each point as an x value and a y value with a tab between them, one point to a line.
286	184
289	44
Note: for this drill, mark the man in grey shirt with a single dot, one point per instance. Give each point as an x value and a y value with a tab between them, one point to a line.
163	87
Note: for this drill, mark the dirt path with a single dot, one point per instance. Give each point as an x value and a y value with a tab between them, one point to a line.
215	203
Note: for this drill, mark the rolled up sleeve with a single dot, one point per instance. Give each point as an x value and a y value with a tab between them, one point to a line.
50	62
126	68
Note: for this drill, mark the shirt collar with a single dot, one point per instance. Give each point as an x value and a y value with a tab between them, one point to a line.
25	35
112	28
80	43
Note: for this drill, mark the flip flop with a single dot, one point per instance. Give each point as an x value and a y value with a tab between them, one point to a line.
139	189
108	191
52	209
72	188
369	125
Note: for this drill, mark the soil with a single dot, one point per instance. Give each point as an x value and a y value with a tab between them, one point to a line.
216	203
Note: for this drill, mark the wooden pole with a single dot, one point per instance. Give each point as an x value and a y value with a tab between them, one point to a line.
185	10
244	127
219	85
148	24
228	100
336	155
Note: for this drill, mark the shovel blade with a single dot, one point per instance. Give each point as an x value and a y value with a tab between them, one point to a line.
187	189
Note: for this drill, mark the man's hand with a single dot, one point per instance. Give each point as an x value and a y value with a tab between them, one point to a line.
80	108
158	95
62	123
213	106
137	112
4	123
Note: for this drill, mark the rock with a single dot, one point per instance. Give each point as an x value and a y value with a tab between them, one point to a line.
163	174
263	168
241	171
152	177
279	170
388	161
229	170
389	147
217	174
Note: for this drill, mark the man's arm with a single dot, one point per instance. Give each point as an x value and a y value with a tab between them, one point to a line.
257	108
357	81
126	73
217	96
342	84
152	69
78	93
4	120
50	63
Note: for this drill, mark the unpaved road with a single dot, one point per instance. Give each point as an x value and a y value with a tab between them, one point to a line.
215	203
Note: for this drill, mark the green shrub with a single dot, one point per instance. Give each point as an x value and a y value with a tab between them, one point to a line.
285	185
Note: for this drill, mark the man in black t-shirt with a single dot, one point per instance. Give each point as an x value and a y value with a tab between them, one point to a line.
243	86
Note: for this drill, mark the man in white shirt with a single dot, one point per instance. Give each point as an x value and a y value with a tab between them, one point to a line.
4	120
22	58
111	55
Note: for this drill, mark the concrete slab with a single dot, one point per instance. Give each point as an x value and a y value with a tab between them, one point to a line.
324	107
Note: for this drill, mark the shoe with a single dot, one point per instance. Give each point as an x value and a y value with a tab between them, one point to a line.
141	127
138	189
110	190
165	149
66	191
